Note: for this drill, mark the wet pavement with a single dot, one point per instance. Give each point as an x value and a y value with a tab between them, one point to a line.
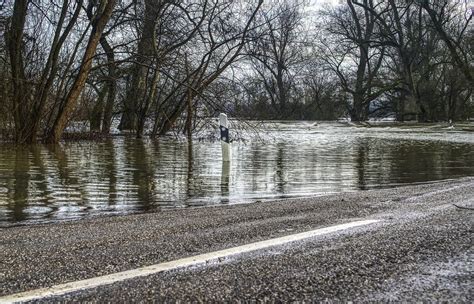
420	250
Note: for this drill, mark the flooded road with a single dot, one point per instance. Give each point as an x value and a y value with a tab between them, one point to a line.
124	175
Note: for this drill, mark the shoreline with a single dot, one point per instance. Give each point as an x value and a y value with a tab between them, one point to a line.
80	136
99	216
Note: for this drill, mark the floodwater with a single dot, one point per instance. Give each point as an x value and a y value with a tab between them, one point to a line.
123	175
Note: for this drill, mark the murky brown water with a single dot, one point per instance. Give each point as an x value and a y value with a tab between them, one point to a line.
123	175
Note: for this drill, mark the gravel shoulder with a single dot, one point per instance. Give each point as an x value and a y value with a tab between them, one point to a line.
422	249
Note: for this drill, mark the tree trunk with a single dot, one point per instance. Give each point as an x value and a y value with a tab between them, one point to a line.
148	101
189	117
129	112
136	93
49	72
281	90
359	112
14	42
170	120
400	106
358	108
98	111
111	85
98	25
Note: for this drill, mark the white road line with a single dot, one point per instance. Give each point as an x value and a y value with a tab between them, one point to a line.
62	289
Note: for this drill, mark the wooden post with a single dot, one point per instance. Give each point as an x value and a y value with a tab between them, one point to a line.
225	140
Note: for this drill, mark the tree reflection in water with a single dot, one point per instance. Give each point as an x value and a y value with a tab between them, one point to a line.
125	175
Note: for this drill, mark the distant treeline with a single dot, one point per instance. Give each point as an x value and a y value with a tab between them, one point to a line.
153	66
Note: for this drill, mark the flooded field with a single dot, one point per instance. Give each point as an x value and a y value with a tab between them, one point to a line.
125	175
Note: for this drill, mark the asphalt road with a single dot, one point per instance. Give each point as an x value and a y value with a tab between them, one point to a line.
420	250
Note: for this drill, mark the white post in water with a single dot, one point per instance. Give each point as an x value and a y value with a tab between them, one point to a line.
225	140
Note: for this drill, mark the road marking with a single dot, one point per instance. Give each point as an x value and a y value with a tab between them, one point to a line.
201	259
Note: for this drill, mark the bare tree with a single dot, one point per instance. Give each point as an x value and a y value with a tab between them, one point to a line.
101	17
29	101
439	12
277	49
416	55
35	65
352	55
101	117
221	42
